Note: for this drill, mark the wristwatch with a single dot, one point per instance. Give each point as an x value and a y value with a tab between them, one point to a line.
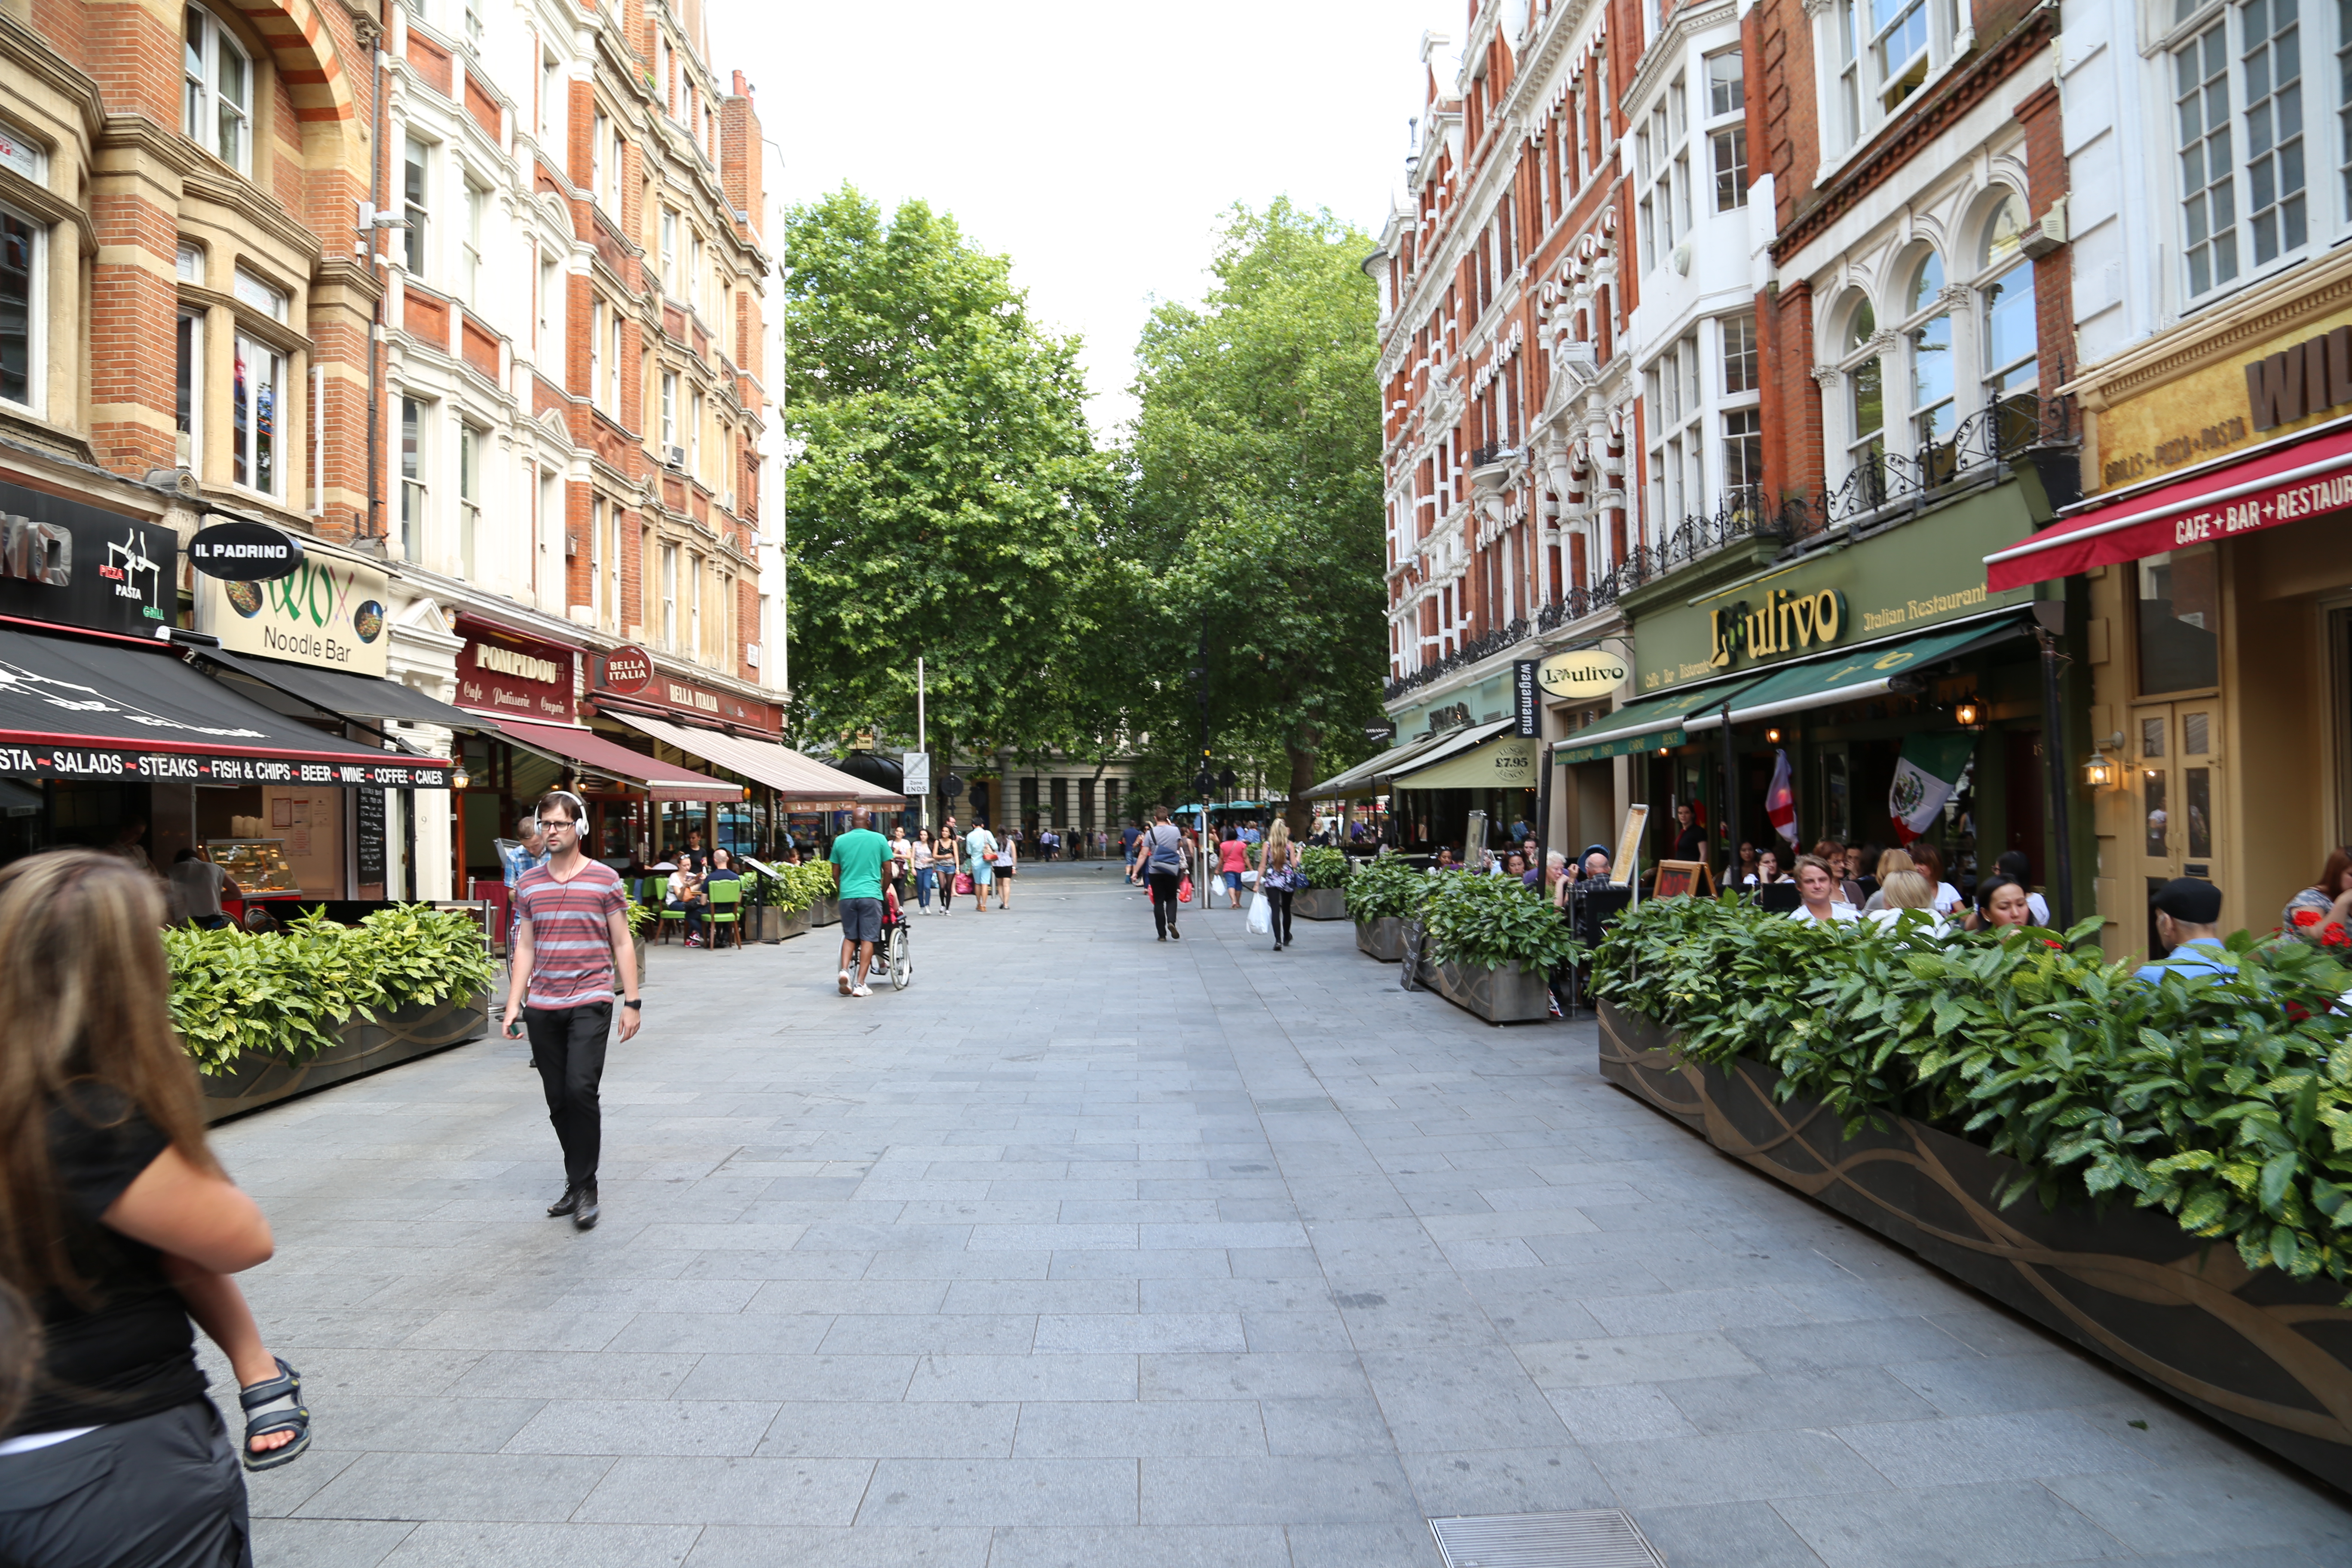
636	1005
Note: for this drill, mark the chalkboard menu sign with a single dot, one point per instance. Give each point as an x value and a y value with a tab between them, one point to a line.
371	834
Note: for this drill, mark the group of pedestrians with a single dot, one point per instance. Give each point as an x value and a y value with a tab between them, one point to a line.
972	863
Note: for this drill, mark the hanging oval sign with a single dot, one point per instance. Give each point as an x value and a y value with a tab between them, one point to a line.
1589	673
240	552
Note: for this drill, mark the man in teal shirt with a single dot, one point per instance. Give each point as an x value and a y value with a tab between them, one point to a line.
858	857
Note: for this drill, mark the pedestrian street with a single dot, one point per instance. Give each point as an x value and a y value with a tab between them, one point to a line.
1087	1249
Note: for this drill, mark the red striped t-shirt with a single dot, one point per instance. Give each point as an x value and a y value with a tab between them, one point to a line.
571	940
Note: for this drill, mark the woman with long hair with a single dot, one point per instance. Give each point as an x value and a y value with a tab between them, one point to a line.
1277	876
2322	913
120	1226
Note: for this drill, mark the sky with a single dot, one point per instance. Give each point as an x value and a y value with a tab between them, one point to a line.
1097	145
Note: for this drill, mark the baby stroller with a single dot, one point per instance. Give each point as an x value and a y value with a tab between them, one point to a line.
892	954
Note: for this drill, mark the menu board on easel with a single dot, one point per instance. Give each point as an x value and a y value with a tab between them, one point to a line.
1629	845
367	834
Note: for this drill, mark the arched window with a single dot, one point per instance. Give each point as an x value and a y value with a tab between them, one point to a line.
2011	338
219	89
1928	346
1867	397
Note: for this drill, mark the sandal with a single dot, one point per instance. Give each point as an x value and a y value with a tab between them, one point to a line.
275	1404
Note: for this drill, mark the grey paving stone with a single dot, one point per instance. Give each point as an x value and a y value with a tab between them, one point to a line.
446	1545
1506	1481
519	1487
1818	1347
1640	1358
973	1334
1962	1449
1835	1397
1176	1428
1740	1467
681	1426
1112	1333
1149	1546
1990	1385
390	1423
1276	1375
2177	1510
1000	1491
1330	1426
1040	1296
1449	1398
559	1374
1986	1526
1725	1535
1275	1490
1624	1413
1399	1545
1023	1377
345	1543
745	1546
894	1430
714	1333
798	1377
736	1490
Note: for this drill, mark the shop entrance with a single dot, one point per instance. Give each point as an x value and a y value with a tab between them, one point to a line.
2177	785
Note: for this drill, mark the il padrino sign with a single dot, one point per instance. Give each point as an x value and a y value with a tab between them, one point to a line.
1924	573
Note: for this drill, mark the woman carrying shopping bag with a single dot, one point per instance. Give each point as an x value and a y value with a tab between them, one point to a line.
1277	875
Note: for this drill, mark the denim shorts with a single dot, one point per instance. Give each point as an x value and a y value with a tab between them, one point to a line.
861	919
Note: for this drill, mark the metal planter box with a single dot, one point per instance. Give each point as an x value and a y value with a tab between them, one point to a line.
1509	995
2256	1351
783	926
1319	903
403	1035
825	912
1383	938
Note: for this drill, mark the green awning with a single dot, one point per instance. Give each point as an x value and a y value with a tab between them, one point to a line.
1862	673
1641	726
1363	778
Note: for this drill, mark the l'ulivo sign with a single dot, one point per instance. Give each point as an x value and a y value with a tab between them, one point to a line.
1785	623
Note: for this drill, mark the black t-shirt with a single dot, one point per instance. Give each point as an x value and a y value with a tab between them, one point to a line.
1690	843
127	1348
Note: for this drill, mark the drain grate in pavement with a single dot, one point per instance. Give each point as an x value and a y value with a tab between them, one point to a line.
1589	1538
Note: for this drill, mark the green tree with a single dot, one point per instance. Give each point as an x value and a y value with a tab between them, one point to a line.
1254	514
948	500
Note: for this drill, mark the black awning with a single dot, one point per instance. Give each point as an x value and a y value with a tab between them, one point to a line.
76	710
352	696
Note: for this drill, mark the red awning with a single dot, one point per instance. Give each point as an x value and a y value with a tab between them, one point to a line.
662	780
2287	484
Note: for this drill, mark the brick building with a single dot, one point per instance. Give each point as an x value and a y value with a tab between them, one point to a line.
1722	343
547	218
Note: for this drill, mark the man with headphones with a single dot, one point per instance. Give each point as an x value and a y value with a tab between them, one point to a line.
572	928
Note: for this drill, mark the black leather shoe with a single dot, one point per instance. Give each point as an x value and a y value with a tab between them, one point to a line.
585	1216
564	1205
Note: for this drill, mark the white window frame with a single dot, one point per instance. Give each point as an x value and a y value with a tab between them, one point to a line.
209	116
17	226
612	365
551	111
668	413
548	346
669	596
1674	386
477	204
1742	404
668	228
595	348
598	126
416	204
246	454
694	416
1723	128
414	437
2258	237
188	385
1856	333
2002	264
1855	82
471	438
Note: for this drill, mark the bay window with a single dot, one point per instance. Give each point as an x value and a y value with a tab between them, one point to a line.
2239	96
1726	131
256	406
1883	51
2012	371
218	81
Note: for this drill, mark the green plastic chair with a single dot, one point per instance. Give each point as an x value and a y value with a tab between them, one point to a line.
726	910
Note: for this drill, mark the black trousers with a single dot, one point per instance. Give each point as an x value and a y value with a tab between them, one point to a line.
567	1047
162	1491
1277	903
1164	885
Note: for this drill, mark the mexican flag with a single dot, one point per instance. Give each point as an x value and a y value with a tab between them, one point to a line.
1929	771
1780	800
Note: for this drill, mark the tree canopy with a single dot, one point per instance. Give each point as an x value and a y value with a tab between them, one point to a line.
948	500
1255	508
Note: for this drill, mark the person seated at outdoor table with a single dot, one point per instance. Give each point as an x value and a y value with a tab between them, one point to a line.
1889	863
1905	890
1515	865
722	869
1768	870
2018	868
1930	862
2188	909
1594	867
1833	854
1819	889
200	885
685	896
1859	860
1446	859
1743	873
2000	906
2322	913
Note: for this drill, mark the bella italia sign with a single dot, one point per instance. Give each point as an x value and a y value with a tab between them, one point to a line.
1586	673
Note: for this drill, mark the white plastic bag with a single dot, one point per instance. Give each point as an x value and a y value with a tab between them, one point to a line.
1261	915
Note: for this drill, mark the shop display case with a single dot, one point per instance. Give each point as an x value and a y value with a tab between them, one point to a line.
257	866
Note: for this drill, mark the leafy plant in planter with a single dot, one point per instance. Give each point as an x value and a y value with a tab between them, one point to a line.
1387	888
1324	867
642	918
1490	921
236	993
2225	1100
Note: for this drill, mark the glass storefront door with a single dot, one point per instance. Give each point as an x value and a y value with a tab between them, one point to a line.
2176	784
